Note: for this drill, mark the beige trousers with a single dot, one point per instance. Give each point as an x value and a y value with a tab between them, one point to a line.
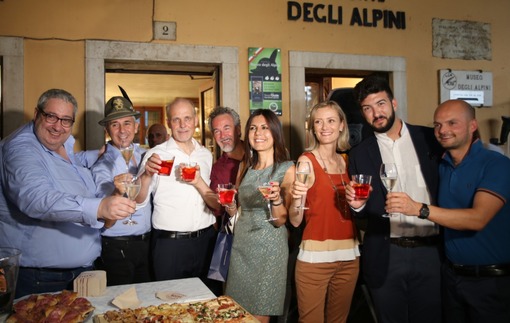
324	290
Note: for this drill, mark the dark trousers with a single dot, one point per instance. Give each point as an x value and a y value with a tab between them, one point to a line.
125	262
185	257
412	290
46	280
475	299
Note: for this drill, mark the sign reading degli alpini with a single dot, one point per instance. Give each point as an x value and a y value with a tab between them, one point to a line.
330	14
474	87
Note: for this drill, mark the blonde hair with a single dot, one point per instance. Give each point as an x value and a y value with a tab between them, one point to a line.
343	139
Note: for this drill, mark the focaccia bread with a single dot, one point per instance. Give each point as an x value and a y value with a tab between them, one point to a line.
221	309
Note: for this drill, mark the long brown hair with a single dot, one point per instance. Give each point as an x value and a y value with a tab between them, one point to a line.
280	153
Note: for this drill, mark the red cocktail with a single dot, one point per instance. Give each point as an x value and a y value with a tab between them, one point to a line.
226	196
361	191
361	186
166	167
188	172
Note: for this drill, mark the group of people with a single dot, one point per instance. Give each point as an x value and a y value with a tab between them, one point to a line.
443	255
445	248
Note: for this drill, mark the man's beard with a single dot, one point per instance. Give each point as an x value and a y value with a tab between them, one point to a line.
389	124
228	147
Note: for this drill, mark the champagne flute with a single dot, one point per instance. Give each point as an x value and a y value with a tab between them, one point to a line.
302	172
265	189
132	190
127	153
389	177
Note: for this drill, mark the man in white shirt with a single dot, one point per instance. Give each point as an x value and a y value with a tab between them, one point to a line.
400	259
183	232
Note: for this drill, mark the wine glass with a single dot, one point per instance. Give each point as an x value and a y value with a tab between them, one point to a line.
132	191
127	153
389	177
265	189
302	172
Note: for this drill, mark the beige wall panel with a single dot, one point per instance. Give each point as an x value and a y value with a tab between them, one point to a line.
78	20
262	23
55	64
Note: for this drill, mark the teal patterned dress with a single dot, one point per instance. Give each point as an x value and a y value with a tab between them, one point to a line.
258	265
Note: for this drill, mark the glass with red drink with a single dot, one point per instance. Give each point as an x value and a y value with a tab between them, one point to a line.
188	171
166	167
226	193
361	186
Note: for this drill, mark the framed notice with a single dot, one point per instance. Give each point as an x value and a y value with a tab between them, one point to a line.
265	83
474	87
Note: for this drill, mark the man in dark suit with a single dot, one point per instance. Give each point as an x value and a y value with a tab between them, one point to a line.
400	258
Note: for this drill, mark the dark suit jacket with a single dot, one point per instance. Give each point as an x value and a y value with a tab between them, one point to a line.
365	158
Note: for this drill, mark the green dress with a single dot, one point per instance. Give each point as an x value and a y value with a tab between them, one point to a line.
258	265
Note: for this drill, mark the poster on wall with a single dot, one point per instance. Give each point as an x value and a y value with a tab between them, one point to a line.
264	66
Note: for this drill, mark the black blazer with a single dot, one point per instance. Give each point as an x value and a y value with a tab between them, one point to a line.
365	158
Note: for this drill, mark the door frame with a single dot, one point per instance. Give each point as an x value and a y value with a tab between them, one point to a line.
299	61
13	114
97	52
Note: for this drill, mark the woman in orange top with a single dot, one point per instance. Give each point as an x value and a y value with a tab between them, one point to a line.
328	260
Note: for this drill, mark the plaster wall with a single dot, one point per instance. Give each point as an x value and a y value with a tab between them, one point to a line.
54	34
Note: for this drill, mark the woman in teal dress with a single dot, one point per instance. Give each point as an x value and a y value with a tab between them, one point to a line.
258	265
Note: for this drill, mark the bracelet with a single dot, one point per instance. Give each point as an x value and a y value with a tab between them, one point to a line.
231	207
278	204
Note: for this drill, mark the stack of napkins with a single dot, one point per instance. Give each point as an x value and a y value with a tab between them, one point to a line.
128	299
90	283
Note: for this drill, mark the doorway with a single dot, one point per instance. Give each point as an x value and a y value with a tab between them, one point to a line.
151	86
342	65
178	59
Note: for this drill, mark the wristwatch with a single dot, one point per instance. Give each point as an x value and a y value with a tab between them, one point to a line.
424	211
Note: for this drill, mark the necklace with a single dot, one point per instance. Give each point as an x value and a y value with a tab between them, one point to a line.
339	199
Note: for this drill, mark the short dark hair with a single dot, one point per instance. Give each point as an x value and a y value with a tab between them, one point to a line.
371	84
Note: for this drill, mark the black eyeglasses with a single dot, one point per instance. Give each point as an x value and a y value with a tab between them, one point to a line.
52	119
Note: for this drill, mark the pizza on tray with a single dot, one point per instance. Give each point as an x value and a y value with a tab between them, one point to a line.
63	307
221	309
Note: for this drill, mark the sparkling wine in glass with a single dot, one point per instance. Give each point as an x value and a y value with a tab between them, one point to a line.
127	154
389	177
265	189
302	171
132	191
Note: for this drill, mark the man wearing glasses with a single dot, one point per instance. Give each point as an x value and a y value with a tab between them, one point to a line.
48	208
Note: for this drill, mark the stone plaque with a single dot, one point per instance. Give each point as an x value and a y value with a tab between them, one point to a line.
461	39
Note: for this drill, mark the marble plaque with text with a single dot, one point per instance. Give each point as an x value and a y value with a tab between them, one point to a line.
457	39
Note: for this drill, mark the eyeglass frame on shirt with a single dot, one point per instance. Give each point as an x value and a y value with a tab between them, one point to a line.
53	119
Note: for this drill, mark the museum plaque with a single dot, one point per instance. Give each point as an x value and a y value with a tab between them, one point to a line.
474	87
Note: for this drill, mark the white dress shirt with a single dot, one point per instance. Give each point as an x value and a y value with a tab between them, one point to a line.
177	205
410	180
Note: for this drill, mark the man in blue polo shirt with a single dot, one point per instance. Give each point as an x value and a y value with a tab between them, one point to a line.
475	213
